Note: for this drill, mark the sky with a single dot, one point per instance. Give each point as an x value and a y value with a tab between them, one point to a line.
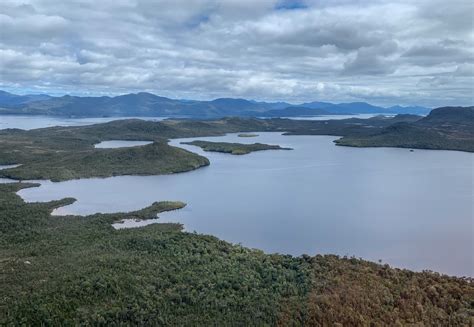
417	52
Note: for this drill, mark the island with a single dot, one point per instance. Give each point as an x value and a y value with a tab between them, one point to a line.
234	148
247	135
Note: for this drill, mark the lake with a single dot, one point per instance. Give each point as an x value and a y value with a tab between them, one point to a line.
31	122
337	117
7	180
119	144
408	209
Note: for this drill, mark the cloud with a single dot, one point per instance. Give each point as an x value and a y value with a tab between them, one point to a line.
397	52
443	51
372	60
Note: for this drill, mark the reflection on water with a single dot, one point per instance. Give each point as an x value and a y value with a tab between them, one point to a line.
409	209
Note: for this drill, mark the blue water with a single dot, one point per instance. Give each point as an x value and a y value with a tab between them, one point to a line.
408	209
120	144
32	122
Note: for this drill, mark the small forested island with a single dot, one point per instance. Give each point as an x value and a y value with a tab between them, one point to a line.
234	148
247	135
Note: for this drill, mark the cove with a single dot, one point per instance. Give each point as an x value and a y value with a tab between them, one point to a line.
409	209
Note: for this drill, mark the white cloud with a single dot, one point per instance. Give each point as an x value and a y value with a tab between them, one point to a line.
385	52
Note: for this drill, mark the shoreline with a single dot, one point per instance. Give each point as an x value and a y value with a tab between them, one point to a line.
152	211
148	213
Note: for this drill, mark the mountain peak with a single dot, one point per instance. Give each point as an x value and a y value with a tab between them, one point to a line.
149	104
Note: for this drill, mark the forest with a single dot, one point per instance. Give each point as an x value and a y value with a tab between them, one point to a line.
233	148
74	270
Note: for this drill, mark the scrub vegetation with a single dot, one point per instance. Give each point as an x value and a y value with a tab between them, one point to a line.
247	135
73	270
444	129
234	148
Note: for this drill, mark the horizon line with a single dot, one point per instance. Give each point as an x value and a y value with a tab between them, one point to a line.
59	95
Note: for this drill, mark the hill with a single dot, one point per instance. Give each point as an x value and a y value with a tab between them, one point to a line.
295	112
448	128
7	98
365	108
147	104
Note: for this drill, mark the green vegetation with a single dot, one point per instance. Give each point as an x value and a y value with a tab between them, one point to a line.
233	148
409	136
62	153
79	270
153	159
76	270
247	135
72	270
442	129
352	292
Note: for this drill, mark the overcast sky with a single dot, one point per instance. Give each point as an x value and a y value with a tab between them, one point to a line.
384	52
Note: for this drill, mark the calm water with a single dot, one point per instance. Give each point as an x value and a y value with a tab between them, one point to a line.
409	209
336	117
119	144
31	122
7	180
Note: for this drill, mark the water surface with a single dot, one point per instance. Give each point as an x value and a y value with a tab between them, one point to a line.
338	117
8	166
409	209
119	144
7	180
32	122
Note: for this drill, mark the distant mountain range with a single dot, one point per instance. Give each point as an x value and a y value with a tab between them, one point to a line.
147	104
9	99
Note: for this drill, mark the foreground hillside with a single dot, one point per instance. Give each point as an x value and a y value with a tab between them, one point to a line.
80	271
